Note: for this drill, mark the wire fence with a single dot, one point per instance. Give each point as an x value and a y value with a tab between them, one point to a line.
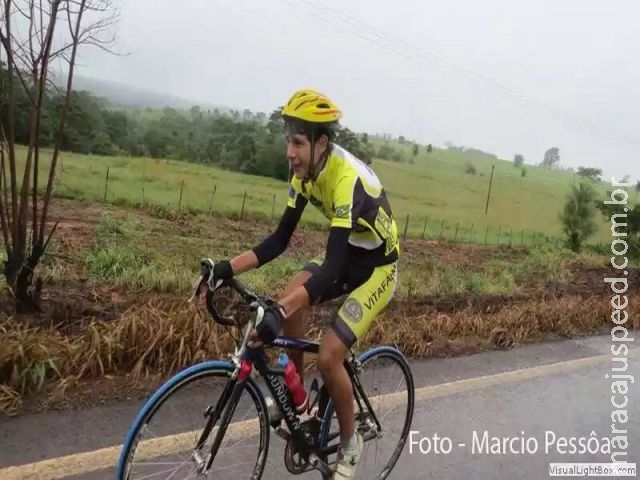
410	227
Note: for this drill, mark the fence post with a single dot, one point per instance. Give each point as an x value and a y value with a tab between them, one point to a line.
442	230
181	189
424	230
486	208
455	235
213	194
406	225
244	198
106	185
471	230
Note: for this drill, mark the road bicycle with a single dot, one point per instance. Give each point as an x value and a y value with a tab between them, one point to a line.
312	441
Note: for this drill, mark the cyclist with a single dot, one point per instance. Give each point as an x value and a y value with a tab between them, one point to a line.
360	260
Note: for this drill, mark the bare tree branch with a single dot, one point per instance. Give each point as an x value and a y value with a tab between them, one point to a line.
30	52
7	43
3	207
36	117
19	10
61	50
54	86
3	185
31	28
63	116
11	104
40	33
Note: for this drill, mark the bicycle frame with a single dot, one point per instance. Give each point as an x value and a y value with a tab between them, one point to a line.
245	358
309	442
273	378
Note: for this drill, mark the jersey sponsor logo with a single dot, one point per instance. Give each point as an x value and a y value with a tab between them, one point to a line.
352	310
377	294
384	226
342	211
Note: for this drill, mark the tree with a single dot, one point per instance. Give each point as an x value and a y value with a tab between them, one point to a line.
415	150
590	173
28	52
578	216
551	158
518	160
429	148
625	221
353	142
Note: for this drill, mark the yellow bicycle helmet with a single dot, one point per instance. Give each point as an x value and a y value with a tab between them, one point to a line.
309	105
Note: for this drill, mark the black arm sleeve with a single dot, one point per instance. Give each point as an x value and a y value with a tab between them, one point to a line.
335	258
276	243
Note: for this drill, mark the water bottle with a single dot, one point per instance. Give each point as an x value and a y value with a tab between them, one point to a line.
295	386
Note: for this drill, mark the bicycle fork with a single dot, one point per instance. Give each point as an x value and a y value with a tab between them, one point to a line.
223	410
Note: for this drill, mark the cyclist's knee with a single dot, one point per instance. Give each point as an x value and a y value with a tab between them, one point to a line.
331	353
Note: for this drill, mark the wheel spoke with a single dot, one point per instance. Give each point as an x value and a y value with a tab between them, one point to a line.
177	423
393	407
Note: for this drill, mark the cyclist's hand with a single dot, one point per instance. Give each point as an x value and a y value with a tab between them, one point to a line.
214	274
270	325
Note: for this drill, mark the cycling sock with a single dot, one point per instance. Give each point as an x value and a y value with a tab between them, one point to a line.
351	445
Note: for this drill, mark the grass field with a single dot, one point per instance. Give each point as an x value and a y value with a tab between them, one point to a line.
435	193
116	278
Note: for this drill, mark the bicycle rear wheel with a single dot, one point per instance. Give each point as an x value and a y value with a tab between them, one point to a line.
387	382
175	418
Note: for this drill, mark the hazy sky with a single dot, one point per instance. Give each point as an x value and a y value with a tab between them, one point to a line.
507	77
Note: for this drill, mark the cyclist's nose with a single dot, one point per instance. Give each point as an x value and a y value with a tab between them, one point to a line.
291	152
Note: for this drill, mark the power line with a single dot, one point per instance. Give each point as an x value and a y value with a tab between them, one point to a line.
386	41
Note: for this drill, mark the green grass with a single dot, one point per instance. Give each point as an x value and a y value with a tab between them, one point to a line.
435	194
142	254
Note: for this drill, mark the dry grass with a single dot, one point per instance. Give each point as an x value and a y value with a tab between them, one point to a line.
468	330
163	336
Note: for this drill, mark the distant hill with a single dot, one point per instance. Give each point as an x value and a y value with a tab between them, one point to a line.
122	95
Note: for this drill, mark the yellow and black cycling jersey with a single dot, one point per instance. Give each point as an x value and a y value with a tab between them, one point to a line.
363	233
349	194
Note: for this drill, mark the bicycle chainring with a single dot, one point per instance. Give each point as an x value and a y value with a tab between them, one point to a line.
293	460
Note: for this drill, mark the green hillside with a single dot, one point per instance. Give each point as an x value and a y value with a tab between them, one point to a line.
435	190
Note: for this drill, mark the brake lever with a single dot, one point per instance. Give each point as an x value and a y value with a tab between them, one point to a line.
206	270
195	291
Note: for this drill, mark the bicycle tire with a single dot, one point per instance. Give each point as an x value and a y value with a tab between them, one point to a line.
174	384
366	357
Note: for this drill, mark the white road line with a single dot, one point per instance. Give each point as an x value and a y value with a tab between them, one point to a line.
107	458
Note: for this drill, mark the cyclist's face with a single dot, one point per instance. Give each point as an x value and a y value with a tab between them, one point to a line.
299	153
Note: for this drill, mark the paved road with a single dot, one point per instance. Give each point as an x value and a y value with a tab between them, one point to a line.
496	414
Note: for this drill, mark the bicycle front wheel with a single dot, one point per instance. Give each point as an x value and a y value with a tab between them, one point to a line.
387	382
162	441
